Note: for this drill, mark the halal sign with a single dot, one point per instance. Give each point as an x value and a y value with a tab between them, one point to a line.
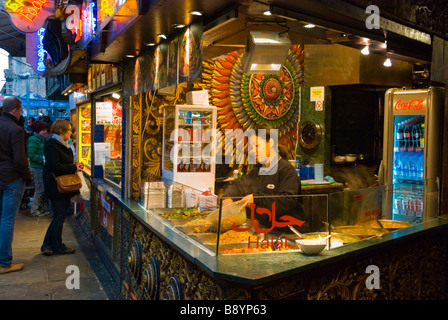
28	15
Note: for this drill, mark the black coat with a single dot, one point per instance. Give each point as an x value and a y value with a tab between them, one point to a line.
58	161
13	159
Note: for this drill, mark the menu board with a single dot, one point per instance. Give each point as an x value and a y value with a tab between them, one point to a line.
100	75
113	130
83	142
103	112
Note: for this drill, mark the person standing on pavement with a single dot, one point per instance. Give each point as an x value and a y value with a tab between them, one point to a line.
35	148
14	174
58	161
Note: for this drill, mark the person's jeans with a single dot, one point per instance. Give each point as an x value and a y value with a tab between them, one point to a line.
38	189
10	198
60	208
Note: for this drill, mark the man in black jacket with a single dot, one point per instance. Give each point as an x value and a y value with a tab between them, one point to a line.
14	173
270	189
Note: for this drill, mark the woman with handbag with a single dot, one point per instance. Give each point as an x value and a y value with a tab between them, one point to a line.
59	162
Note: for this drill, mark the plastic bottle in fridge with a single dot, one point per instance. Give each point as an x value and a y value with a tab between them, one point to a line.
412	166
407	136
398	167
420	164
400	133
405	165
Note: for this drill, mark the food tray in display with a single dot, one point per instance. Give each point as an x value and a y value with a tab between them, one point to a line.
394	225
264	246
360	231
344	238
195	229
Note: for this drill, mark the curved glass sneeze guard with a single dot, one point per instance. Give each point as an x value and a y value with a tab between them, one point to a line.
272	224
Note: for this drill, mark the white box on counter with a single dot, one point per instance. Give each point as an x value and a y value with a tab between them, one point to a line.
209	202
198	97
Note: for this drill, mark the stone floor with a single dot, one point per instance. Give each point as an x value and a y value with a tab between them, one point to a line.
44	278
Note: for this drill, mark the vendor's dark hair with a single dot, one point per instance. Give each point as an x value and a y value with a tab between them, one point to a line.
267	129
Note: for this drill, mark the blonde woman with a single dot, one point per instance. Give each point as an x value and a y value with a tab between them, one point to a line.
59	160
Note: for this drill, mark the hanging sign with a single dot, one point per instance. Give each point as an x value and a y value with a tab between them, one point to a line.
89	21
36	54
28	15
72	14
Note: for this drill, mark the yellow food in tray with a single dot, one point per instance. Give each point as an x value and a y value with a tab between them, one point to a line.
234	236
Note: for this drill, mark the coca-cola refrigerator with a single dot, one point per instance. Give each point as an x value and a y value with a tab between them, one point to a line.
411	164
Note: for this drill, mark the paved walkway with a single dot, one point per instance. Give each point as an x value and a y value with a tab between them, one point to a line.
44	278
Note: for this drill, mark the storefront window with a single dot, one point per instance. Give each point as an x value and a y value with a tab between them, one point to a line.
84	133
108	136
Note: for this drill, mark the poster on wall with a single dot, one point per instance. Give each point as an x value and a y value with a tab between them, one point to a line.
173	71
190	53
106	212
161	72
104	113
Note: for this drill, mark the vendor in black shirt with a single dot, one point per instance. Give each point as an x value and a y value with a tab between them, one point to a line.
273	179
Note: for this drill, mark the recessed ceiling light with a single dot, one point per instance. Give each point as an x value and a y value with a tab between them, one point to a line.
366	50
150	44
387	63
196	13
267	13
161	35
130	56
178	26
309	26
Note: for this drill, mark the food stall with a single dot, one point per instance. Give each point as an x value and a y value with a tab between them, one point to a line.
170	241
217	253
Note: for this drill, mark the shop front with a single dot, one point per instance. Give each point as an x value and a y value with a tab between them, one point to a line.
164	143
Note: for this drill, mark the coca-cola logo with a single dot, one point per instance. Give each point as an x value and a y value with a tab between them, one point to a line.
413	105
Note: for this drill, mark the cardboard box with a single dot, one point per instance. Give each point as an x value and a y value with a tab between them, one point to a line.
198	97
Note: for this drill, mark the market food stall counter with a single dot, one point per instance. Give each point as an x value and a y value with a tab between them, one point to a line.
163	261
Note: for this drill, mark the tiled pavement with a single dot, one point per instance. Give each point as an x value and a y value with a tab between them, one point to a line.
44	278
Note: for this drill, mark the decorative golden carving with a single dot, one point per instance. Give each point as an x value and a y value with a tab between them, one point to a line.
415	269
196	283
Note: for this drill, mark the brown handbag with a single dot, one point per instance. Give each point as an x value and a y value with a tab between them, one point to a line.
68	183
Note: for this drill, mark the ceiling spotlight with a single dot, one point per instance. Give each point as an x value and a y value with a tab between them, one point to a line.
267	13
178	26
387	63
150	44
161	35
309	26
130	56
196	13
366	50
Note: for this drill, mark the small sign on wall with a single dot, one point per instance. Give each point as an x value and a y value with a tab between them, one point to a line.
317	93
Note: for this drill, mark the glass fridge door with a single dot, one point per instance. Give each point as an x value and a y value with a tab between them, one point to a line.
408	167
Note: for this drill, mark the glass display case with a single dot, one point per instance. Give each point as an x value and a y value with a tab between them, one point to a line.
112	170
188	154
271	224
83	143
